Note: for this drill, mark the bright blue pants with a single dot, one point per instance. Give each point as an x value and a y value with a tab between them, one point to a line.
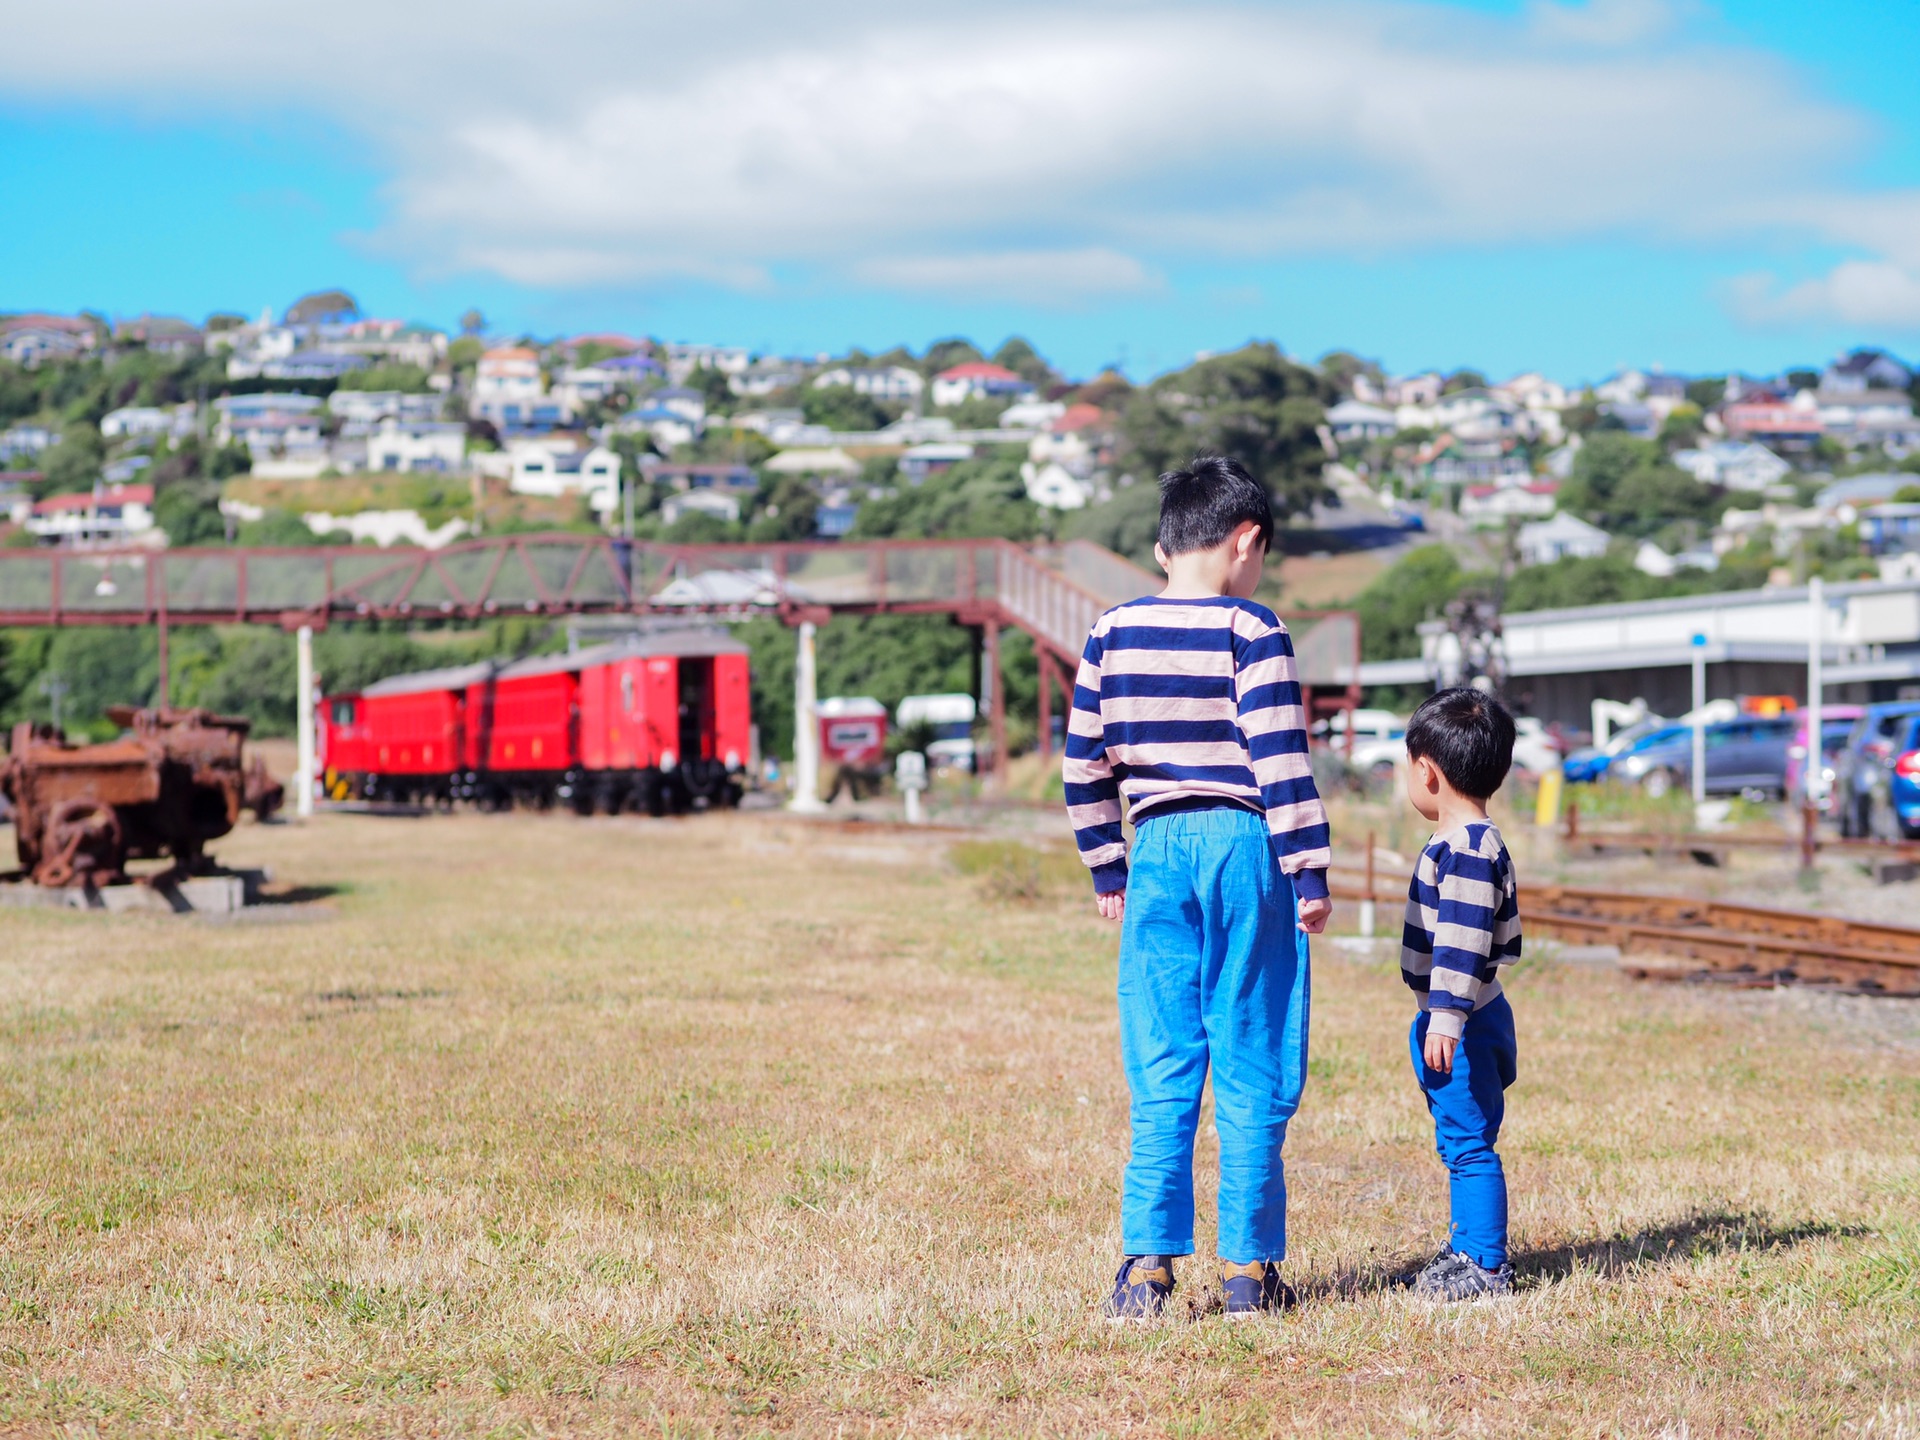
1467	1106
1213	973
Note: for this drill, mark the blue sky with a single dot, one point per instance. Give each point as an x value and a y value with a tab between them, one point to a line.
1564	187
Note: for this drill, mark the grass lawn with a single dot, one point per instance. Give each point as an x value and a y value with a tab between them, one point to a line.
736	1126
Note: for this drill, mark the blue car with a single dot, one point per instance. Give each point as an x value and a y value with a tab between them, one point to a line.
1862	771
1744	756
1589	764
1886	792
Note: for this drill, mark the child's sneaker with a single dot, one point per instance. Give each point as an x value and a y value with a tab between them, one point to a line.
1141	1288
1255	1289
1454	1276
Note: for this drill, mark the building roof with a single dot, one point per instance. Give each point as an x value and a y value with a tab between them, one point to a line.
1078	417
112	497
979	370
510	352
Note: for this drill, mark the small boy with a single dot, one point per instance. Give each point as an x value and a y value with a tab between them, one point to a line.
1188	703
1463	924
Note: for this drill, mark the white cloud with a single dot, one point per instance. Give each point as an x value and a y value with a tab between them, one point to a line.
1060	278
1057	149
1870	293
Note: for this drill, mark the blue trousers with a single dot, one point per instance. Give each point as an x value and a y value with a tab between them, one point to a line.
1213	974
1467	1106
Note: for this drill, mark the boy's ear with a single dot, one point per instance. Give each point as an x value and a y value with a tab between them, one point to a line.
1161	558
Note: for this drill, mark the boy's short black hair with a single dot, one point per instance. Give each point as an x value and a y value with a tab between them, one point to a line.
1205	503
1468	734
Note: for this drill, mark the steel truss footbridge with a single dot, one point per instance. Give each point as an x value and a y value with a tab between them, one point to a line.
1052	593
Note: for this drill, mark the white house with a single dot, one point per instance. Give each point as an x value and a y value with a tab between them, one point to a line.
1071	441
917	462
683	360
141	422
1868	417
430	445
1866	370
370	407
1535	391
1054	486
766	377
1415	389
1031	414
509	391
824	460
560	467
1564	537
281	431
716	503
1738	465
678	399
1650	559
669	428
884	382
1496	504
26	440
1355	420
26	340
110	514
977	380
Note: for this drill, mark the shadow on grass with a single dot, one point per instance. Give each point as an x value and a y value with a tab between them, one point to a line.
1617	1257
301	894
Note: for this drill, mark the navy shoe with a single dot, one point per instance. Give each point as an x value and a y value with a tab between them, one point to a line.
1462	1279
1141	1287
1255	1289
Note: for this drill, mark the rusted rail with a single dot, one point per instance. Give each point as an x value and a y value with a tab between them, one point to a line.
1675	937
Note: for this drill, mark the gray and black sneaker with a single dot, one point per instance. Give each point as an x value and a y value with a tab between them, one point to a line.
1454	1276
1141	1288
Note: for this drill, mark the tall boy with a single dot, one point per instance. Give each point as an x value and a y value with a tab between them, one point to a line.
1188	704
1463	924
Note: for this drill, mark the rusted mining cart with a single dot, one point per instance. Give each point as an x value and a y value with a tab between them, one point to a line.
167	787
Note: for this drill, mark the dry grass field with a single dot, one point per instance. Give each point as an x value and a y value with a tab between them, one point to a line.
736	1126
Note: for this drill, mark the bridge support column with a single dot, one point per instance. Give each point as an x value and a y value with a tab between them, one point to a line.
994	696
303	772
806	725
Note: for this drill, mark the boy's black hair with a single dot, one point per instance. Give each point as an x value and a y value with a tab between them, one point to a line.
1205	503
1468	734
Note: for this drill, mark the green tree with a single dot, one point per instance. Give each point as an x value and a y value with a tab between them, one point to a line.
841	407
1128	524
1464	379
188	510
1017	355
1415	589
1253	404
784	508
945	354
394	375
975	499
74	464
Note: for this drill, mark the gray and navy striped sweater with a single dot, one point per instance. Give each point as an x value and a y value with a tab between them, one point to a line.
1185	702
1463	924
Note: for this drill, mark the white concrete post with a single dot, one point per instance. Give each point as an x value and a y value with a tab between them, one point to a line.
1699	720
1816	761
303	722
806	727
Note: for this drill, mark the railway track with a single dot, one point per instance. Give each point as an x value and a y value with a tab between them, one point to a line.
1675	937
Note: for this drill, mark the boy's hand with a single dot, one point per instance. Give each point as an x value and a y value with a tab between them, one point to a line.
1314	915
1438	1052
1112	906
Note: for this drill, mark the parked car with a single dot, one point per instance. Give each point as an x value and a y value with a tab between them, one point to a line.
1590	762
1744	756
1903	783
1860	769
1836	724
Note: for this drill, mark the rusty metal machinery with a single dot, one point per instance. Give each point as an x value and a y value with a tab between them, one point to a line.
170	784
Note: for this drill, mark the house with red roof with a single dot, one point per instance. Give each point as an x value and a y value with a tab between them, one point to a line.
977	380
107	515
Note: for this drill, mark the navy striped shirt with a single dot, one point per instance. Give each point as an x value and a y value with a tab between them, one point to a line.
1184	702
1463	924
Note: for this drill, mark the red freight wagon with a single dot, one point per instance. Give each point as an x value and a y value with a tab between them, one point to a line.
657	721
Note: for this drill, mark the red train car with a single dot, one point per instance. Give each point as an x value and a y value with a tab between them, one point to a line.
656	722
